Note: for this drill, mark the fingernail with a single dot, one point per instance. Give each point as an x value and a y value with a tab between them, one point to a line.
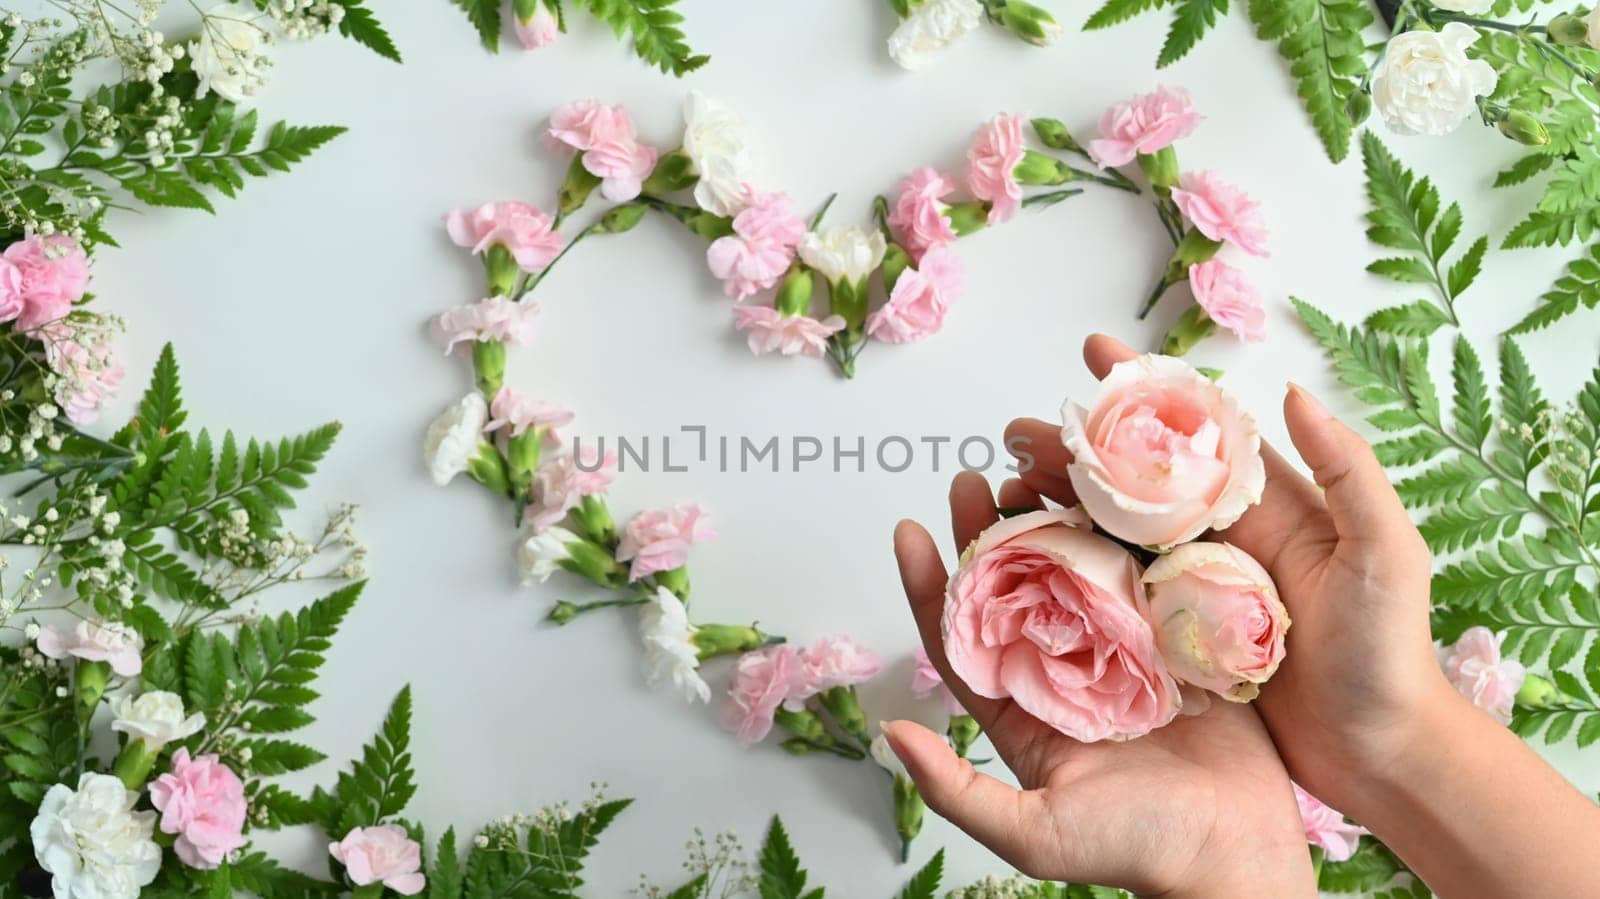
1309	399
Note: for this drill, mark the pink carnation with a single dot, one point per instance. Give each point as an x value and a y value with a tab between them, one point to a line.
659	539
12	300
1221	211
1478	672
89	372
838	662
202	801
761	248
539	30
562	482
763	680
773	332
1327	828
611	149
1229	299
55	273
925	680
918	214
381	854
104	641
495	318
1146	124
994	156
522	229
519	413
919	300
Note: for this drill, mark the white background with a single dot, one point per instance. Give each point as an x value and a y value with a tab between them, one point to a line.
306	301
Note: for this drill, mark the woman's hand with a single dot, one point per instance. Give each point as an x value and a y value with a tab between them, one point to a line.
1201	807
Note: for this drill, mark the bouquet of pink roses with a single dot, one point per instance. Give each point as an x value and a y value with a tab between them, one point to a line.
1108	636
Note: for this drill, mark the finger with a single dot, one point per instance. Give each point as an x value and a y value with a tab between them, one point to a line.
1360	500
923	577
1036	444
971	508
1016	495
1013	823
1102	351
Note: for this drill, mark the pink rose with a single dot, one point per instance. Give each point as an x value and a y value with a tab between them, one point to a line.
1229	299
995	154
1327	828
611	149
838	662
921	296
11	295
202	801
562	482
495	318
519	413
918	214
761	248
1478	672
1218	620
103	641
1054	616
659	539
788	335
381	854
539	30
522	229
55	273
1163	454
763	680
1146	124
89	372
925	681
1221	211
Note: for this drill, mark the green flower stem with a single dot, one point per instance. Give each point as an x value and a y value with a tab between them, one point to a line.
566	611
533	281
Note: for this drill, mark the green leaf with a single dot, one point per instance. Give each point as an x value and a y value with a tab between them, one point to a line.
1190	21
485	17
379	784
444	878
925	883
1472	416
1323	43
1371	867
653	27
1417	319
1115	12
1579	285
781	874
361	26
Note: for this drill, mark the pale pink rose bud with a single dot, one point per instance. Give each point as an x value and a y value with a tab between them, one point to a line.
659	539
539	29
761	248
925	681
763	680
1474	666
1218	620
522	229
1163	454
1221	211
1229	299
918	217
1326	828
496	318
920	299
789	335
111	642
54	272
995	155
838	662
1144	125
201	801
1047	613
381	854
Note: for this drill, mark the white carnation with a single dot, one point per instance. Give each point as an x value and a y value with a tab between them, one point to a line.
92	842
883	754
453	438
1470	7
230	58
670	653
541	555
1426	84
932	26
156	717
714	141
843	254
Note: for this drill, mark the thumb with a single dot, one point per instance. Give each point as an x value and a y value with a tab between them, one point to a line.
1362	503
998	815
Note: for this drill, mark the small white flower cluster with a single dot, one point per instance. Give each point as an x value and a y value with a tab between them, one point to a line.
230	58
38	429
505	833
991	887
305	19
150	58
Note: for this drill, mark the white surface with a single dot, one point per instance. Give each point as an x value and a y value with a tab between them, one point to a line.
305	300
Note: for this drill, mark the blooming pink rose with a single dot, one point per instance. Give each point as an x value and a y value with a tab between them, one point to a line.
539	30
495	318
925	680
1218	620
55	273
522	229
202	801
11	296
838	662
1052	615
1327	828
1478	672
761	248
381	854
610	146
659	539
1163	454
1229	299
995	154
103	641
519	413
763	680
89	372
1146	124
774	332
921	296
1221	211
562	482
918	214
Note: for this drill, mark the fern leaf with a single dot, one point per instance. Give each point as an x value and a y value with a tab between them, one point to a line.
1322	41
360	25
1191	20
653	27
485	17
1115	12
925	883
1579	285
781	874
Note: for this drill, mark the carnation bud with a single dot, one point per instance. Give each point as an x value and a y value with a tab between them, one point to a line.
90	678
714	640
673	172
1539	693
622	219
593	561
1191	327
967	218
489	366
1358	105
1568	30
562	613
1161	167
849	301
488	468
522	458
675	580
909	810
706	224
576	187
1029	22
501	269
1054	134
794	294
804	724
963	731
844	706
593	518
134	763
1038	169
1524	128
